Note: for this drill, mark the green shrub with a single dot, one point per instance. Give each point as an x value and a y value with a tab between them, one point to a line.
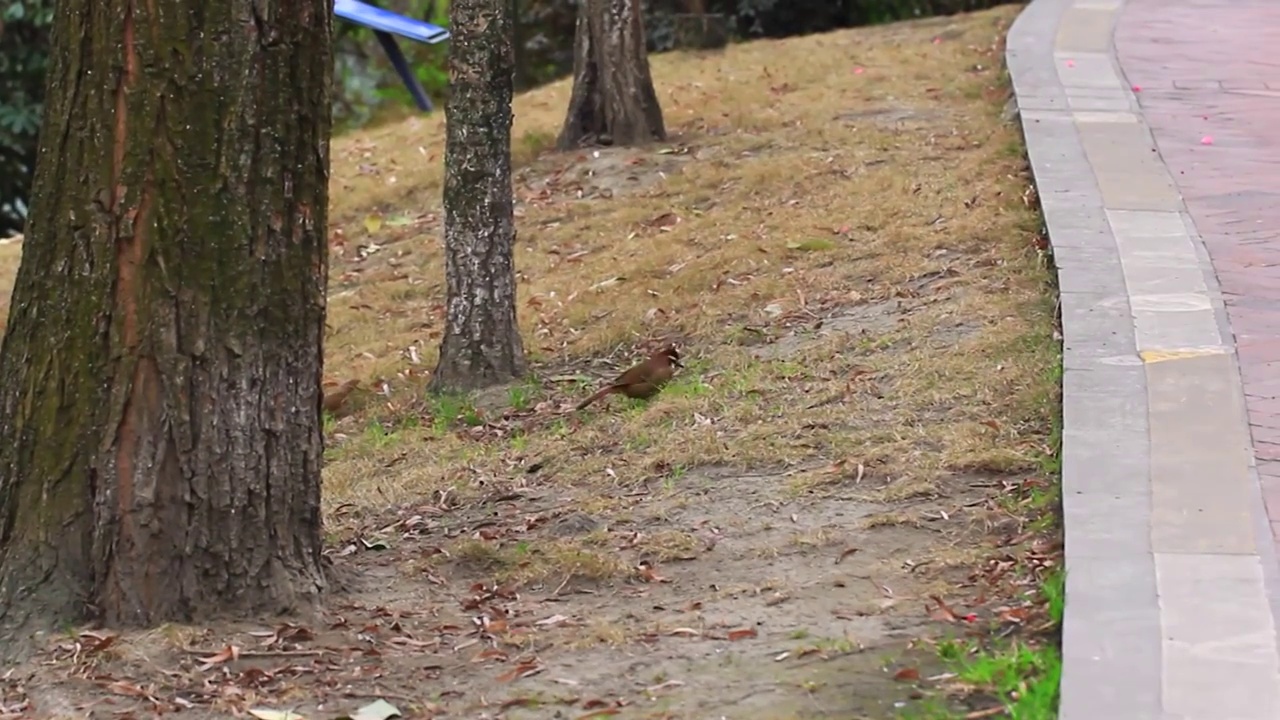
24	54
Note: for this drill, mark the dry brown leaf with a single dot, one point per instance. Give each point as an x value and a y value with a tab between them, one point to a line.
523	670
230	652
907	674
846	553
941	611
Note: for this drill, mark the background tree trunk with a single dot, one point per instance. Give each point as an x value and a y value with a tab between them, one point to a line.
160	430
481	344
613	102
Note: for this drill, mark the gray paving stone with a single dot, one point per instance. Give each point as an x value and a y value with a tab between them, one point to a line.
1096	329
1087	70
1105	399
1035	79
1197	432
1073	203
1108	279
1086	29
1122	117
1031	37
1220	656
1129	171
1100	4
1143	224
1110	639
1109	93
1076	225
1174	321
1105	524
1083	258
1046	103
1116	103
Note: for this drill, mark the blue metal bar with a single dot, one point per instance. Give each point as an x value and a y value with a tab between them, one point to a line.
386	25
398	61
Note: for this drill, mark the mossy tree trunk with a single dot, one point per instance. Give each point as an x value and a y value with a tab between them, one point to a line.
160	430
613	101
481	345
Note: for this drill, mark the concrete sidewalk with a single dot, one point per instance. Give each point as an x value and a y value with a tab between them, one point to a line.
1159	174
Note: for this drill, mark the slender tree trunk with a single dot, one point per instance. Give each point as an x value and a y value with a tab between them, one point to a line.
613	101
160	431
481	344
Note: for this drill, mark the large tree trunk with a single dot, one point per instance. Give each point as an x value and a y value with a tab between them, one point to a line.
160	431
481	344
613	102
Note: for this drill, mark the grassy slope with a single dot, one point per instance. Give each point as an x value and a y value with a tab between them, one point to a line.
862	179
840	233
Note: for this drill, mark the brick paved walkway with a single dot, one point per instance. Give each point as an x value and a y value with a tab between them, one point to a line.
1215	85
1156	153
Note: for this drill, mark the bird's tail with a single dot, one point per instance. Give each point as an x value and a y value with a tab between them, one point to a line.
607	389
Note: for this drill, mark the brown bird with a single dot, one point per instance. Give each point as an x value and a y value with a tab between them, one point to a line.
643	380
333	400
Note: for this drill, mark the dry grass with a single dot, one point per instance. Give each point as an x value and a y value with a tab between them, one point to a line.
837	235
844	253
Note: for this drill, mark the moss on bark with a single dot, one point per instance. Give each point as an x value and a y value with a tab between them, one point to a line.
613	101
161	439
481	344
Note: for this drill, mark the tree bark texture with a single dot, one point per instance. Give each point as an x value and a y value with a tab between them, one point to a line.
481	344
613	101
160	427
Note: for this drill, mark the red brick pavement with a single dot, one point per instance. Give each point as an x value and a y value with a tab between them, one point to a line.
1211	69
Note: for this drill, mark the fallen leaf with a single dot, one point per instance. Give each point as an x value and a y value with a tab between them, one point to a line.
373	223
523	670
742	633
664	685
907	674
269	714
376	710
665	220
230	652
946	614
128	689
989	712
95	642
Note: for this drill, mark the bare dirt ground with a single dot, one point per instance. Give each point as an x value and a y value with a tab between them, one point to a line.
841	235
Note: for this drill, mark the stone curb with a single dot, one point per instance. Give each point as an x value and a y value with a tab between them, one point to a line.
1168	614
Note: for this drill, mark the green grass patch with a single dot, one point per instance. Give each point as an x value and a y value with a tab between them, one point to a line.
1020	676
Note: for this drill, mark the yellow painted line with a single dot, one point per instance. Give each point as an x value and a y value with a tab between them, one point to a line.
1155	356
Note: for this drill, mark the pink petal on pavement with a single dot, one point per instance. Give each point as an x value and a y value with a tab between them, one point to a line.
1206	140
859	71
1071	63
1137	88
